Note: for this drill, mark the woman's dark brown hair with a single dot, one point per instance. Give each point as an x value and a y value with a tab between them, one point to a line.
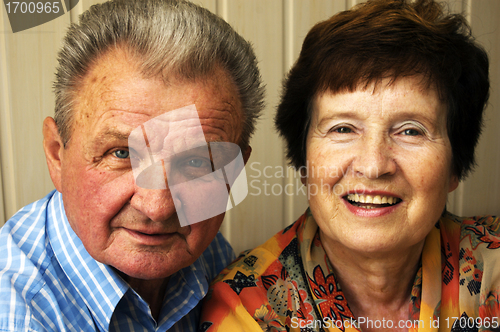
390	39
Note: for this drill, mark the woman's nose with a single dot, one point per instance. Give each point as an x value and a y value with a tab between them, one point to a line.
374	157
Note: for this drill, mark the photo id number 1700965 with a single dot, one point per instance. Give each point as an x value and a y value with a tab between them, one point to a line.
15	7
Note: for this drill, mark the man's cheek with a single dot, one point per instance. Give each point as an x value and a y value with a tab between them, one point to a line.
202	233
200	199
103	193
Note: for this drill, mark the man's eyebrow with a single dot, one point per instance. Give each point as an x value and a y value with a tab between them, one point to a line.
111	135
115	134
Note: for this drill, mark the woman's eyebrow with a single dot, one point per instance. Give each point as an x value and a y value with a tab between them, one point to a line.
337	115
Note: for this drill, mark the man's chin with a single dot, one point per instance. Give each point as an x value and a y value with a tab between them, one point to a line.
137	275
152	266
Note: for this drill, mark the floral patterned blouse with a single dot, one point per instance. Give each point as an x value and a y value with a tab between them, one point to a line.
288	284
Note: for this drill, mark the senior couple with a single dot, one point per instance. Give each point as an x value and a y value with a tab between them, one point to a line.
156	102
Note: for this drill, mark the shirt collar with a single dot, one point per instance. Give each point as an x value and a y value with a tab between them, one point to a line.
185	290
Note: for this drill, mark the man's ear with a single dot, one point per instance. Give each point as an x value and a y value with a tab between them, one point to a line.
247	153
53	147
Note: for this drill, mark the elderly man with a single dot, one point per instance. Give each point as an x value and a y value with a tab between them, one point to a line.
128	240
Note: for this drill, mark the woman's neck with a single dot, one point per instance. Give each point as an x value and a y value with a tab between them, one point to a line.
376	286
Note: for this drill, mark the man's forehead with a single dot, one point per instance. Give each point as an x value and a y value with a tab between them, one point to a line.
114	98
112	71
130	92
178	122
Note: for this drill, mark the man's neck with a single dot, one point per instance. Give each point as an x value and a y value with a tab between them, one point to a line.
151	291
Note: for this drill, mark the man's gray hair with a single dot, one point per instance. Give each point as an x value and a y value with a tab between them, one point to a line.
168	37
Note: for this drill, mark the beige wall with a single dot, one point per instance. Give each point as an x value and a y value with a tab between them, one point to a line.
276	28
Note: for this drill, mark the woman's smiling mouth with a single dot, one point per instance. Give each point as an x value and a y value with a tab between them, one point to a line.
371	201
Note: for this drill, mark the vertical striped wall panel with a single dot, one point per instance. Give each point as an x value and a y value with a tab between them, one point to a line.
27	62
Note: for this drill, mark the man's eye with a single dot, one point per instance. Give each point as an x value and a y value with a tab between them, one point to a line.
192	168
411	132
121	154
197	163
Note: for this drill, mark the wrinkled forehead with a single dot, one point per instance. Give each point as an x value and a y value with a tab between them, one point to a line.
174	130
105	76
116	84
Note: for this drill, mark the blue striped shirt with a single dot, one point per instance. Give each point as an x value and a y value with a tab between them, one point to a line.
49	282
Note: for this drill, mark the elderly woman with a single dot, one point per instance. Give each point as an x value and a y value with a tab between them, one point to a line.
381	113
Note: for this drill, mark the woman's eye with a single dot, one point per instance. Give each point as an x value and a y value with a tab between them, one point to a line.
411	132
342	130
121	154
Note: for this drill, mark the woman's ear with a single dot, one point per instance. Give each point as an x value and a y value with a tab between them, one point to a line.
53	147
303	175
454	182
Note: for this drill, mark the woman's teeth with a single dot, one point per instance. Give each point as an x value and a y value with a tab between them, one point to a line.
369	199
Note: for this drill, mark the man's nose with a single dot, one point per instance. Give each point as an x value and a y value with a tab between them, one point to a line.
374	157
152	195
156	204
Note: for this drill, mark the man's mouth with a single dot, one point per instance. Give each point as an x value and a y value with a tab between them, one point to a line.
372	201
152	234
150	237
